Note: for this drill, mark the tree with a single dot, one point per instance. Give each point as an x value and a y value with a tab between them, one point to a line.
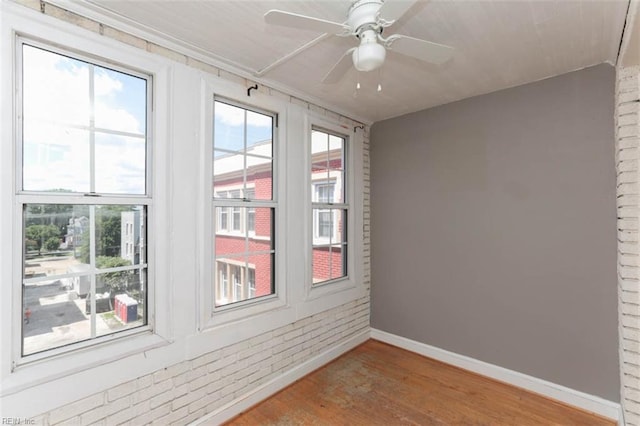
38	235
115	281
108	233
52	244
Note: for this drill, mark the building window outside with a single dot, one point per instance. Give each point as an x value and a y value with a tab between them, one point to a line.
323	218
243	161
83	145
252	283
223	282
329	205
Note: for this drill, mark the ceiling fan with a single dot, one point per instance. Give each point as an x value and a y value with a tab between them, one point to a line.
366	20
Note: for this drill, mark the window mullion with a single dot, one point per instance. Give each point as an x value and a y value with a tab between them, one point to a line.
92	132
80	199
92	267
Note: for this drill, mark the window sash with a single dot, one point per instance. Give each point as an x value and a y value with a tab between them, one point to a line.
25	197
240	205
326	213
90	61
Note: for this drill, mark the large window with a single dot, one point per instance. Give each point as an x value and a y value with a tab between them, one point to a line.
84	195
329	206
243	201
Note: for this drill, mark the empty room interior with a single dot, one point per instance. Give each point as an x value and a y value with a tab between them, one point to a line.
319	212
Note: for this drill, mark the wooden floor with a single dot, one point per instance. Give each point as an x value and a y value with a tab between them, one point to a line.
379	384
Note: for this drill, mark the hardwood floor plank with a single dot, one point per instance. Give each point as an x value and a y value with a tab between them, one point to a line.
379	384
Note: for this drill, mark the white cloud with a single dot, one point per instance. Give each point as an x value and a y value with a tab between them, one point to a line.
234	116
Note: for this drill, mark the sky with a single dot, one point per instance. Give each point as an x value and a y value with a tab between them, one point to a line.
229	128
56	106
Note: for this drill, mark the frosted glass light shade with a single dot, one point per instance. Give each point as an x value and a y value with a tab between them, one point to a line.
368	56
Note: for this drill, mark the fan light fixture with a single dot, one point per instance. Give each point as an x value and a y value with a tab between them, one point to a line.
366	21
369	55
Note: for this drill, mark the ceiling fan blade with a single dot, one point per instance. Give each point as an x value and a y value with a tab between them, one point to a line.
392	10
293	20
340	68
423	50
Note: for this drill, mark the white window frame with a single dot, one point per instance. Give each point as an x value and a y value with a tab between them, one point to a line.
30	197
19	372
211	317
333	292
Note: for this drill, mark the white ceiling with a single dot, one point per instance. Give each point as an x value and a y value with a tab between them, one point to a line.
498	44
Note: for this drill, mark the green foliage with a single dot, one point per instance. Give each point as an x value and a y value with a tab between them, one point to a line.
52	244
115	281
41	236
104	262
108	233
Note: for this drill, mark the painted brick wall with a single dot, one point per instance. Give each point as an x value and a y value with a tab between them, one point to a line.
627	156
187	391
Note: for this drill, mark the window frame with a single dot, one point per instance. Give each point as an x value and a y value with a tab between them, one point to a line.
335	209
20	372
331	293
24	197
211	317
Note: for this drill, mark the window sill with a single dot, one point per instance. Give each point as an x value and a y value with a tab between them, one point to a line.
36	372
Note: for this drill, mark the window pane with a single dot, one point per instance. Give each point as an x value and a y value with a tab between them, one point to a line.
247	229
222	290
327	163
54	237
54	315
121	164
242	158
55	87
229	127
338	261
244	263
239	278
259	132
329	262
260	177
262	265
337	177
120	236
327	225
59	263
121	101
55	158
120	301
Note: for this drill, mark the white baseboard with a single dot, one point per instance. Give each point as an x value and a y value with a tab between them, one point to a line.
561	393
237	406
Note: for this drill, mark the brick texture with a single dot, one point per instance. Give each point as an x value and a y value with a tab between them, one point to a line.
627	155
182	393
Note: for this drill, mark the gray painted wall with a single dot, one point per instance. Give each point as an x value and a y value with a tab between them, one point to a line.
494	229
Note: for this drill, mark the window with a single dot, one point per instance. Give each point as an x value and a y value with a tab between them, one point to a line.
223	282
244	201
323	218
236	276
329	206
251	212
252	283
84	195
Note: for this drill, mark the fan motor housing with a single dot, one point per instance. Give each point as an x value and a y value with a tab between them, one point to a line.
363	15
